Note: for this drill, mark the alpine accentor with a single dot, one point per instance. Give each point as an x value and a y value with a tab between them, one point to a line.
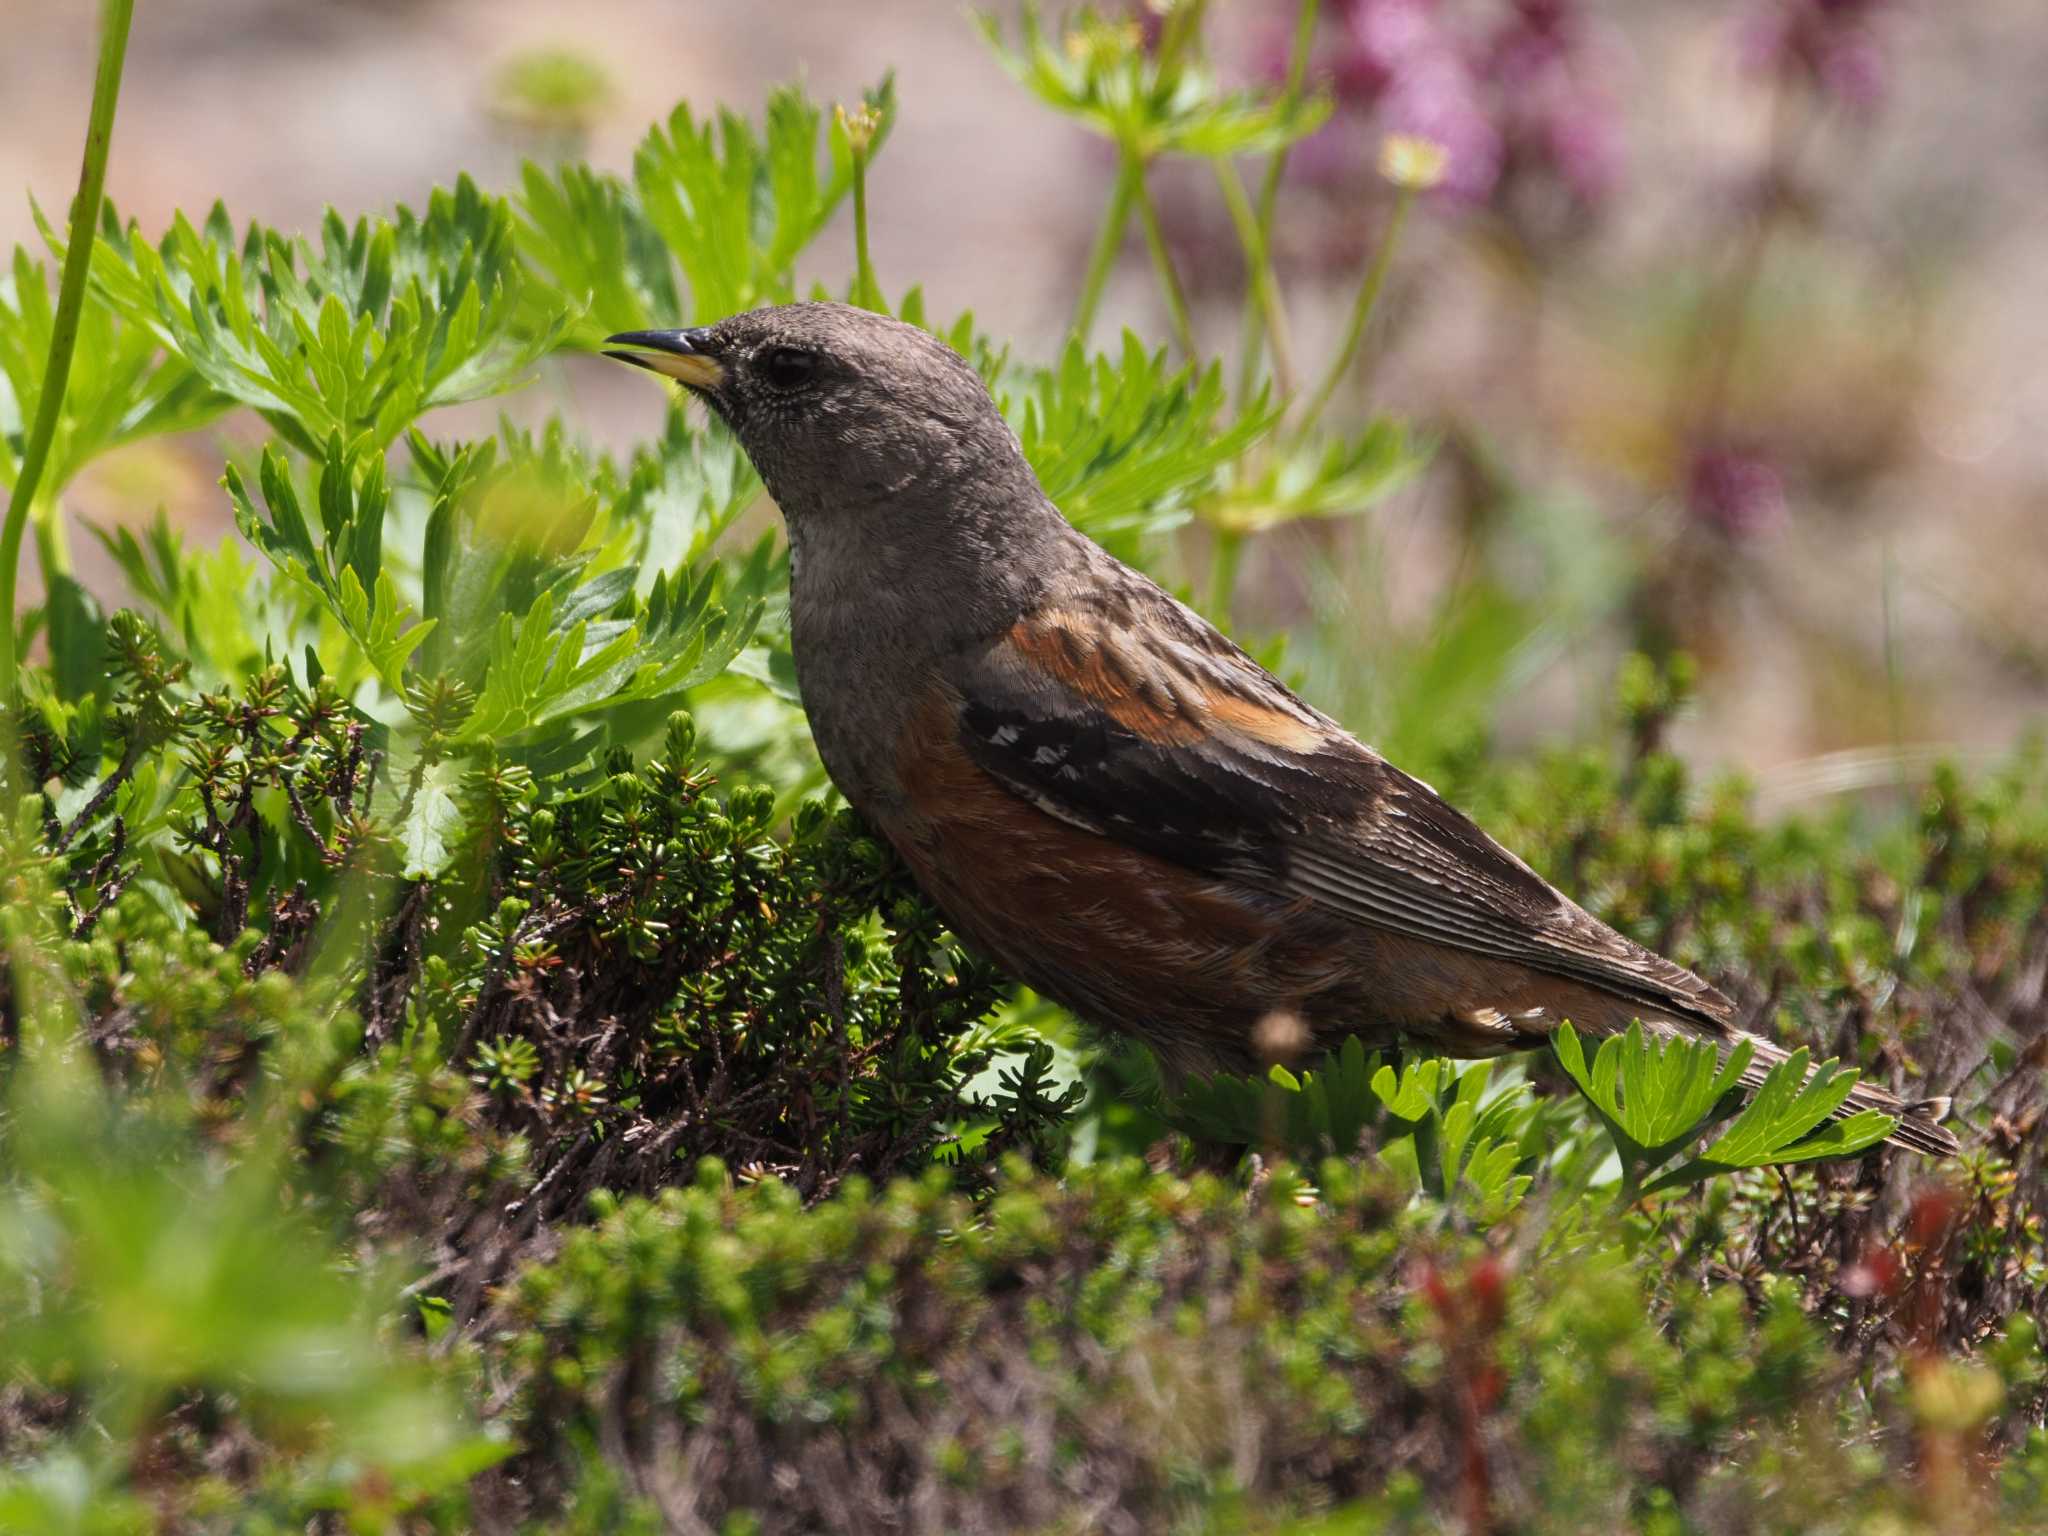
1095	785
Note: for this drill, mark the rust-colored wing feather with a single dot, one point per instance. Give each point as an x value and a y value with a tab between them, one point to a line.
1125	713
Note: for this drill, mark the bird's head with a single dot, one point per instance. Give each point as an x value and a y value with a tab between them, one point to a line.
844	412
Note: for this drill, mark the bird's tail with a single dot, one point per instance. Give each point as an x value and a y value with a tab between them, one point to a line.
1919	1120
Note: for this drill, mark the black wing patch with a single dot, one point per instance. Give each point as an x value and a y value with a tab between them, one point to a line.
1075	761
1227	781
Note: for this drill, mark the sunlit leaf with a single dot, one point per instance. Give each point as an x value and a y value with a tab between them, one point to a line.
1099	71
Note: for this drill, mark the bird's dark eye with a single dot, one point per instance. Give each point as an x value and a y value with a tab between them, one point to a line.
788	367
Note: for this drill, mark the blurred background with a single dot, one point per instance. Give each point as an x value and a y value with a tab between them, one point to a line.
1728	319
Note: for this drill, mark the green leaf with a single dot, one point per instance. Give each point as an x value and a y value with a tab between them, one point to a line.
344	562
122	386
1123	444
357	337
1785	1107
585	231
1846	1137
77	632
1658	1095
381	627
1439	1128
1409	1090
734	206
430	818
1337	477
1654	1094
1100	72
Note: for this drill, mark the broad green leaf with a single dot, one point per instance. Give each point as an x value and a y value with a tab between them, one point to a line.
429	817
1654	1092
1788	1104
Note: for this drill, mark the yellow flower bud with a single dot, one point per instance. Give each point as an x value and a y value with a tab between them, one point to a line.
1412	162
859	125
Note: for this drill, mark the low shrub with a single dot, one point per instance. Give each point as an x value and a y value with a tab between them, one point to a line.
460	1069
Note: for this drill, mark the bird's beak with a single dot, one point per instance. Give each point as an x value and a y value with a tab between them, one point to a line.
682	355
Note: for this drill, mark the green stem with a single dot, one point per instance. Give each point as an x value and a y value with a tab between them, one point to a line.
1723	336
1224	561
53	548
867	293
1162	262
115	16
1361	309
1297	76
1269	196
1265	290
1183	27
1108	241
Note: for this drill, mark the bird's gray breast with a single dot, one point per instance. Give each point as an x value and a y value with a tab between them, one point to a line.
878	604
861	671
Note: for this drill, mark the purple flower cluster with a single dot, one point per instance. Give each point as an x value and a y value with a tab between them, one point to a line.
1554	117
1734	490
1521	102
1831	44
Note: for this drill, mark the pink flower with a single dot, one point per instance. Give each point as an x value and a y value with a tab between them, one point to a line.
1522	102
1390	34
1555	119
1435	98
1735	491
1832	44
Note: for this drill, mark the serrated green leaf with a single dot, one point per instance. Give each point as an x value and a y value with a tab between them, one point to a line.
382	321
1150	101
431	821
1124	444
1318	479
1788	1104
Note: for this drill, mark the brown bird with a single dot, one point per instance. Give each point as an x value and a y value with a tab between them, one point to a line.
1094	784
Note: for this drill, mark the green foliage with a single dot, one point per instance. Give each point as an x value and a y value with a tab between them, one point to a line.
1431	1122
1155	101
123	387
345	564
1123	444
155	1284
712	222
401	912
1320	478
143	1281
213	601
1180	1350
1658	1095
385	320
1459	1137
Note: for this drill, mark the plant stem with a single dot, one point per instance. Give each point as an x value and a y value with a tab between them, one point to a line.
1108	241
1224	560
1183	26
1719	342
53	548
867	292
1269	197
1266	291
115	16
1361	309
1162	262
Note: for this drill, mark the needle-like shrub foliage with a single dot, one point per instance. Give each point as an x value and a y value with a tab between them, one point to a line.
460	1069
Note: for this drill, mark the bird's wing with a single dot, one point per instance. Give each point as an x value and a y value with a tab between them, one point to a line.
1127	714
